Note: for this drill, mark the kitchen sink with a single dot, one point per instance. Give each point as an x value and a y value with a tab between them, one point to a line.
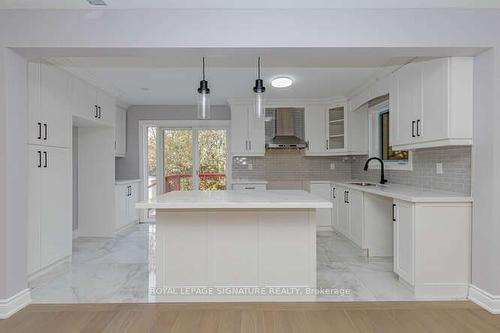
363	184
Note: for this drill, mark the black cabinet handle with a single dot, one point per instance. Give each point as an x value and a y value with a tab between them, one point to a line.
393	212
95	111
334	192
413	128
45	159
100	114
347	193
418	127
39	131
45	131
39	159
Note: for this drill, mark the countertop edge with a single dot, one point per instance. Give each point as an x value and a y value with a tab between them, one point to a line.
127	181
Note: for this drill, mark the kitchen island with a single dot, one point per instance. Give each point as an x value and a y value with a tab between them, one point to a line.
235	245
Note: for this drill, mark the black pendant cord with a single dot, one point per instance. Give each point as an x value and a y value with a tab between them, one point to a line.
259	84
203	83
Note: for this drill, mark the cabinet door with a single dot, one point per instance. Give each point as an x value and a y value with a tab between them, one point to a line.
344	212
54	106
239	130
323	215
56	205
336	125
120	132
121	205
336	202
434	122
314	117
84	99
133	213
357	216
256	134
35	135
107	105
34	206
409	102
404	240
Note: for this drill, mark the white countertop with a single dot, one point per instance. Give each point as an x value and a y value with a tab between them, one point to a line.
408	193
126	181
236	200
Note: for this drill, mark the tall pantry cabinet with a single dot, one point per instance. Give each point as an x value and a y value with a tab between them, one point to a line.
50	166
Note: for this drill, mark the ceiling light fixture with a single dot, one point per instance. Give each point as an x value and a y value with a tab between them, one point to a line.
282	82
203	96
96	2
259	90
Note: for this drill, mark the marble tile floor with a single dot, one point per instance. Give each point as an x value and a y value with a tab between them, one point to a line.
120	270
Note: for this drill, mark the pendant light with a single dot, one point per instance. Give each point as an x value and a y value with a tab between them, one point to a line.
259	90
203	97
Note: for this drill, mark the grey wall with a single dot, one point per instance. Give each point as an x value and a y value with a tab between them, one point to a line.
128	167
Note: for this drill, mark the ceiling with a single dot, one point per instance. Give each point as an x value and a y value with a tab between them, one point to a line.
171	76
232	4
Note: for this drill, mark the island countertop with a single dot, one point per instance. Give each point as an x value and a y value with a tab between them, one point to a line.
269	199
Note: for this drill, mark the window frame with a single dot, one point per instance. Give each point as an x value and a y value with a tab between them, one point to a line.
374	136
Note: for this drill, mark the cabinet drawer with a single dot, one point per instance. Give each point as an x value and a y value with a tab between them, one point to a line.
249	187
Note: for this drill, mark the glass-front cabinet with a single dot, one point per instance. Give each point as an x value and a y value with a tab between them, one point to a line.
336	128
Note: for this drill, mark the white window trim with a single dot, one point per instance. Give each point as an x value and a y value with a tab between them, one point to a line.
373	111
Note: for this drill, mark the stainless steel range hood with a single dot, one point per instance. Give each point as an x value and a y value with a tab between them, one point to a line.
285	136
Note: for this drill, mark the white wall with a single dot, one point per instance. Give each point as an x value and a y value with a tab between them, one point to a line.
317	28
13	173
128	167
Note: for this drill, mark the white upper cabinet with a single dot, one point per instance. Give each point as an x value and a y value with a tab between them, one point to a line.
91	103
247	131
120	132
431	104
49	119
334	130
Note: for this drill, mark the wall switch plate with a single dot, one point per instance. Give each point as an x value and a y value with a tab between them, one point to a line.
332	166
250	166
439	168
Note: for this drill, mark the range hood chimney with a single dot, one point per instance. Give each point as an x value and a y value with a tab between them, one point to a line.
285	136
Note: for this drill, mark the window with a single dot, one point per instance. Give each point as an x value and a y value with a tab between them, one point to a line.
379	119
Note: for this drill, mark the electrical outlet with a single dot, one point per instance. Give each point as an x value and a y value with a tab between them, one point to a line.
439	168
250	166
332	166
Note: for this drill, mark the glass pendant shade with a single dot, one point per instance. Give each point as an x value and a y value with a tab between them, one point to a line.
203	97
260	110
204	105
259	89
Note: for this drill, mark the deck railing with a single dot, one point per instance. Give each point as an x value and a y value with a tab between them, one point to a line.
173	182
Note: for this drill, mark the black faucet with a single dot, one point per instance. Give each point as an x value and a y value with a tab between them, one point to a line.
382	177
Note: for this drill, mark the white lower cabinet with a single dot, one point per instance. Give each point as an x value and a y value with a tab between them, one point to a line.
432	248
126	196
50	206
403	232
344	213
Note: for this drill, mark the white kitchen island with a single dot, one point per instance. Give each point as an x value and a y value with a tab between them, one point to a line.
235	245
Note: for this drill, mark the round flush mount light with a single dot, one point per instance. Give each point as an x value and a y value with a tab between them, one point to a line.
281	82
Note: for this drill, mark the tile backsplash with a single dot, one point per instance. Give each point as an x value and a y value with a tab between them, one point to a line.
292	165
456	176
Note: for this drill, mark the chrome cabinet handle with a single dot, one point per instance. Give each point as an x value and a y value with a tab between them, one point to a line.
39	159
250	144
45	131
413	128
249	188
418	127
393	212
45	164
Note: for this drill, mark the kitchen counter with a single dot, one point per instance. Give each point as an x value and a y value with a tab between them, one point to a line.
274	199
408	193
216	239
126	181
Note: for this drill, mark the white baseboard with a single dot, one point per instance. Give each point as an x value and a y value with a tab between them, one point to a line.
489	302
75	234
15	303
48	268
